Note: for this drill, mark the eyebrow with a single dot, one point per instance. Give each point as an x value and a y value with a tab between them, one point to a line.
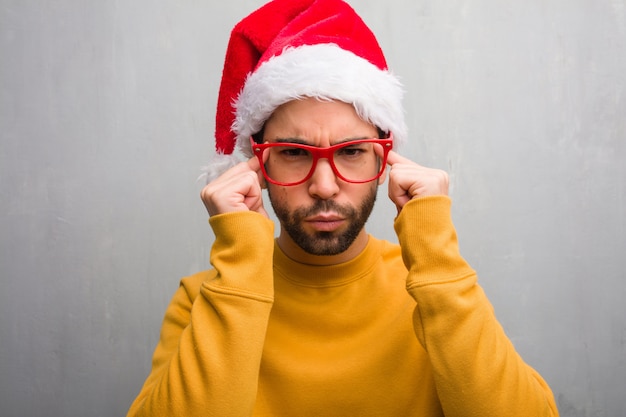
292	140
303	142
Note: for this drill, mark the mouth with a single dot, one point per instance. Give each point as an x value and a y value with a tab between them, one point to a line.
326	222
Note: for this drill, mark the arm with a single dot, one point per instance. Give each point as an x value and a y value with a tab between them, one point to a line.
208	357
476	367
207	360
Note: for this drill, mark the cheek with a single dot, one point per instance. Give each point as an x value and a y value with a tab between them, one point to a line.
363	191
284	197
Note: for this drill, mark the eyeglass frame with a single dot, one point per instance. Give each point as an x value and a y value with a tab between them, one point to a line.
326	153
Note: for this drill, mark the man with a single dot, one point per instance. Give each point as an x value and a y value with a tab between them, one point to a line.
326	320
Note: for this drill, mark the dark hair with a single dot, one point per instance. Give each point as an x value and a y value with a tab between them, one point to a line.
258	136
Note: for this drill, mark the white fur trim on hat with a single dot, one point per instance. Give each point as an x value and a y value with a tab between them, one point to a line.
217	165
324	71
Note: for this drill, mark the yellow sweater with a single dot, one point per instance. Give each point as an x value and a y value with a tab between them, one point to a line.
398	331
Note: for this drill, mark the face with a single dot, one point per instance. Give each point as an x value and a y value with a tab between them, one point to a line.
323	216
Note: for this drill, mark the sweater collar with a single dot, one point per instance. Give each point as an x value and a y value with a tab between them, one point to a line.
311	275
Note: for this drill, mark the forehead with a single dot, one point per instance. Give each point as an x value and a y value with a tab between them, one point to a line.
315	118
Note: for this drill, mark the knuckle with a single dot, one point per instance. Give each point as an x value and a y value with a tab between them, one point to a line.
207	192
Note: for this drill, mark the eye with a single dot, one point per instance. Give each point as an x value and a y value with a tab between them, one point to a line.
292	152
352	151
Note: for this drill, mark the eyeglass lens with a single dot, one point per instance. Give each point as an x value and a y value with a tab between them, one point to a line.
292	163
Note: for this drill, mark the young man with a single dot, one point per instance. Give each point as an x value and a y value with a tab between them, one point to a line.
326	320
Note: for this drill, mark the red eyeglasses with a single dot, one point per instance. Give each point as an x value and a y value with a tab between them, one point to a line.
290	163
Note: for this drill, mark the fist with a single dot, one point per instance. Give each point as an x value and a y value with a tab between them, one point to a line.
408	180
238	189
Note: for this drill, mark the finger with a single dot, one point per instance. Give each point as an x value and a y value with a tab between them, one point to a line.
395	158
255	165
398	195
252	195
238	189
239	192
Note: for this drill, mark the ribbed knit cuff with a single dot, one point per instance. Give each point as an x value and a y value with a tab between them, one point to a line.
243	251
429	243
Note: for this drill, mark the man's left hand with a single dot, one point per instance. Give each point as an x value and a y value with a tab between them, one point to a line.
408	180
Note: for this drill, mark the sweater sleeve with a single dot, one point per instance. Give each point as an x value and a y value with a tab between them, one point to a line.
477	370
208	357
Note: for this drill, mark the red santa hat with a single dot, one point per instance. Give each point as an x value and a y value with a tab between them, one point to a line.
291	49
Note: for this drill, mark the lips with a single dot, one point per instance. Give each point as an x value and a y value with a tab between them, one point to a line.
327	222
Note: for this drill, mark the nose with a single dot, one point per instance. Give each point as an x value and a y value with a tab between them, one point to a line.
323	183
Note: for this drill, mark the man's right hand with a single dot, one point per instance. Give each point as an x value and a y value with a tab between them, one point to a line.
238	189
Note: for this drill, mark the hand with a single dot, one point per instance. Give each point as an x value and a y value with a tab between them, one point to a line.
238	189
408	180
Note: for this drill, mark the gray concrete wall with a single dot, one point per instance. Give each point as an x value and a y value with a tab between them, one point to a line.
106	113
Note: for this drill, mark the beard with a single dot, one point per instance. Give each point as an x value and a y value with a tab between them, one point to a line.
325	243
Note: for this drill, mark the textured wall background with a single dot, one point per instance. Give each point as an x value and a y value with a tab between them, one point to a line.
106	114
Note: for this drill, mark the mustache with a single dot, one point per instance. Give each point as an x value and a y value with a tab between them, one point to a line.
323	206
